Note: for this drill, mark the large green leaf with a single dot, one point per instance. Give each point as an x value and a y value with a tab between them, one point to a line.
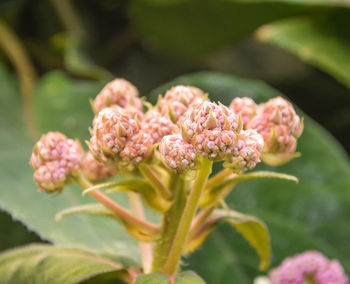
323	41
18	193
253	230
313	214
187	277
62	104
48	264
194	28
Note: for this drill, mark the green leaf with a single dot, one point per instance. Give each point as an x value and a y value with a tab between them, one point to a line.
313	214
322	41
20	197
48	264
186	277
213	195
156	277
93	209
194	28
253	230
66	102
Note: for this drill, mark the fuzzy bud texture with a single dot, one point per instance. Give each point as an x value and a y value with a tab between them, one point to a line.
279	125
138	148
177	153
178	99
212	129
157	125
94	170
118	92
246	107
55	158
247	151
309	267
112	129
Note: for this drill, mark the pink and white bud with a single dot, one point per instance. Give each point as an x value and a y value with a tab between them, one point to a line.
95	170
246	107
177	154
112	128
137	149
247	151
279	125
118	92
212	129
215	144
178	99
55	150
157	125
309	267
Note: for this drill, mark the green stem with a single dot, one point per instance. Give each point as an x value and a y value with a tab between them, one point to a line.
145	248
17	54
218	178
187	216
158	186
170	223
118	210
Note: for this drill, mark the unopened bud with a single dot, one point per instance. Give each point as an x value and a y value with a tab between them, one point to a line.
246	107
95	170
157	125
55	158
118	92
177	154
280	127
247	151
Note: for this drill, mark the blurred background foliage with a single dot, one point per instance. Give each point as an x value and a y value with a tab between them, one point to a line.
63	51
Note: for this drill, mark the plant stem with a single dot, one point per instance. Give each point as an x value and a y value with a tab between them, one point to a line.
187	216
170	223
218	178
118	210
17	54
158	186
145	248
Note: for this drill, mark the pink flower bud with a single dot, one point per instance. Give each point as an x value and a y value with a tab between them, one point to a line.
95	170
157	125
309	267
247	151
177	154
138	148
112	128
212	129
118	92
178	99
279	125
54	159
246	107
51	177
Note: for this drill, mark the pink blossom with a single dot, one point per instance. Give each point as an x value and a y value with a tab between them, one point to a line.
95	170
310	265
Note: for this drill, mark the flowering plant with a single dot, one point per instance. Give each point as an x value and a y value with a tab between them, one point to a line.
163	158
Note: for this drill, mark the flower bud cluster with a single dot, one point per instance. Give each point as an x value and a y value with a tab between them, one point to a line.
279	125
118	92
157	125
177	153
247	151
55	159
212	129
179	99
245	107
309	267
117	138
95	170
